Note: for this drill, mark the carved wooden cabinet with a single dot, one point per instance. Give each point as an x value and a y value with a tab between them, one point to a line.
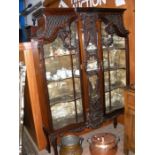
129	134
83	67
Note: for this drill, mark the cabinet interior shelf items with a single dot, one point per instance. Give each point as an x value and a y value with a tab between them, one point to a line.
84	65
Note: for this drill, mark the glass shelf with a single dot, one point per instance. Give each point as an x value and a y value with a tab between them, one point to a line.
63	88
62	79
112	87
55	56
114	68
114	58
65	98
116	100
67	114
113	108
112	48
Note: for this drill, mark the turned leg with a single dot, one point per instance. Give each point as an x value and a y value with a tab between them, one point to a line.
115	122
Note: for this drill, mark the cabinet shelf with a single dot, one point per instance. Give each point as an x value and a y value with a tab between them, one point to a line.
59	80
113	87
65	98
117	105
113	68
55	56
113	48
92	71
61	122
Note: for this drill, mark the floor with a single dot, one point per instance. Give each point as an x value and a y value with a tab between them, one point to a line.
31	149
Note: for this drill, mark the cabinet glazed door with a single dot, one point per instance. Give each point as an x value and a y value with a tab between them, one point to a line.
114	50
62	66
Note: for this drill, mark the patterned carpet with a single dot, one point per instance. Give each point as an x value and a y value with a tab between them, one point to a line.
30	148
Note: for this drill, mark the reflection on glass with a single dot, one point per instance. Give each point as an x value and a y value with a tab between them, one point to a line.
73	35
114	64
107	102
119	42
121	59
92	63
76	66
79	110
118	78
105	59
77	87
58	68
117	58
91	47
114	58
63	114
60	89
117	98
106	81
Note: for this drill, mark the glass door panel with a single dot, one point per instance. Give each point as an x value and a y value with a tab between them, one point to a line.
107	101
118	42
60	90
106	81
118	78
105	59
63	114
117	98
79	110
114	67
63	79
57	68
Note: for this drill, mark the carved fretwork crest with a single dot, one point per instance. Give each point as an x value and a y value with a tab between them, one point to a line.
65	35
55	25
114	24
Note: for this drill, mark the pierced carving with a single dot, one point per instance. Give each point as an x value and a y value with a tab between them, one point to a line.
95	114
114	24
52	26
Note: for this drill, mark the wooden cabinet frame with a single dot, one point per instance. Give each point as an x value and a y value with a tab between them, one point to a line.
94	110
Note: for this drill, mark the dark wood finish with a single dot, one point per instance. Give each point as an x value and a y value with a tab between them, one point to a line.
129	134
94	110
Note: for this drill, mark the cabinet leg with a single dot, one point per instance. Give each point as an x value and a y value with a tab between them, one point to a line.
47	134
115	122
53	139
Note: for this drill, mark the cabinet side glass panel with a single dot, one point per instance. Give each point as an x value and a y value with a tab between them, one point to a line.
114	67
63	80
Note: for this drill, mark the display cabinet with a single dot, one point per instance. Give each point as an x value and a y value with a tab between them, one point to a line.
83	66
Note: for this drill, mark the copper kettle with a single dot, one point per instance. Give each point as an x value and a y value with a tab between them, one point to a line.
103	144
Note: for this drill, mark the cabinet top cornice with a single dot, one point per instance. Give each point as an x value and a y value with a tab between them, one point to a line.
57	11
